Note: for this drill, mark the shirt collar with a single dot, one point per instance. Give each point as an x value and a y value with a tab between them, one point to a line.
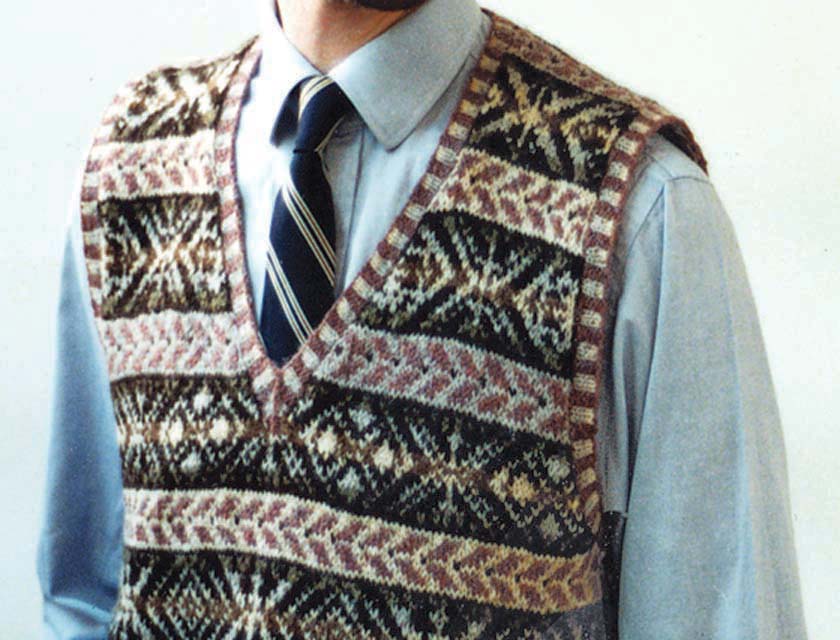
393	81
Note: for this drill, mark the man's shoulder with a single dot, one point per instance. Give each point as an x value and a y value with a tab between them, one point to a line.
175	98
541	86
517	41
160	136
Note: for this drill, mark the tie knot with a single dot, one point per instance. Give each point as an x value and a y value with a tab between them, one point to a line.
321	106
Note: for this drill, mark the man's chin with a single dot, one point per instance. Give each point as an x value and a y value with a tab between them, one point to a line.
389	5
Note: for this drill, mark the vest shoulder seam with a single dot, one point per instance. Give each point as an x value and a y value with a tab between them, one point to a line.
555	61
519	42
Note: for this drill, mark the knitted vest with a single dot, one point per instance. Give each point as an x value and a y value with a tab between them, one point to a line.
424	465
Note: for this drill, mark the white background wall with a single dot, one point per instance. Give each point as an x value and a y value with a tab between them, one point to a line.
759	82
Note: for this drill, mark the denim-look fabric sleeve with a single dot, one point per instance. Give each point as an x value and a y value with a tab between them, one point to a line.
708	544
80	544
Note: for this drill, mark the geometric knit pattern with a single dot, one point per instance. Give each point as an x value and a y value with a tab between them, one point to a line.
423	466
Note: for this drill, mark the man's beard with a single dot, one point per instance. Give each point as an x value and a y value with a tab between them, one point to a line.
383	5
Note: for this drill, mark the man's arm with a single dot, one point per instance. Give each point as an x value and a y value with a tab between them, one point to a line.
80	545
708	544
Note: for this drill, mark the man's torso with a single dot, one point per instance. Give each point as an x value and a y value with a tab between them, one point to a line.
431	448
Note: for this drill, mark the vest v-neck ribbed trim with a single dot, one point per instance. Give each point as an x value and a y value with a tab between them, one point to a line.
278	386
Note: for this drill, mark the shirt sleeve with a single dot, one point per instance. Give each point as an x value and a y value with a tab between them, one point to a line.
707	546
80	543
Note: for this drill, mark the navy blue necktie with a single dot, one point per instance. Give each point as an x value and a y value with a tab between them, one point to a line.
300	270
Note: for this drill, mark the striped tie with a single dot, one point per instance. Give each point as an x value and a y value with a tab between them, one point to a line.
300	271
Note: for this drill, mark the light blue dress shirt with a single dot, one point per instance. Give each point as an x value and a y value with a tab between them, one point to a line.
690	444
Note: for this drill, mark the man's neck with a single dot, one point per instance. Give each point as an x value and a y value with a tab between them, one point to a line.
327	31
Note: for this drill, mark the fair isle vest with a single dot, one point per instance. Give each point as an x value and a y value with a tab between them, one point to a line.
424	466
